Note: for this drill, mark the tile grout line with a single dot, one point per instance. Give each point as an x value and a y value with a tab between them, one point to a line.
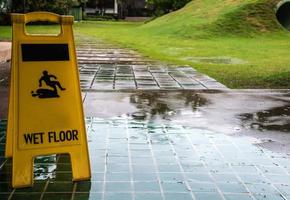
180	166
130	162
74	191
229	164
95	76
263	174
115	74
106	162
2	165
11	194
169	73
155	163
133	72
44	189
157	83
196	79
212	178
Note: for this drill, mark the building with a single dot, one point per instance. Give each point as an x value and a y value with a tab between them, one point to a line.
122	9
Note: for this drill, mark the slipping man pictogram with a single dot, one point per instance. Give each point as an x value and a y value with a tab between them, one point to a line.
48	93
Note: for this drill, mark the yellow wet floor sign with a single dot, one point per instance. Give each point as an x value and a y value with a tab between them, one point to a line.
45	105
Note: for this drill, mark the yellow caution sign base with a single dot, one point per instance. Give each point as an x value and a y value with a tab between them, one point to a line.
45	105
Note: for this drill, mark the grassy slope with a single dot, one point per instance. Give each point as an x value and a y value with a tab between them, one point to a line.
243	29
211	18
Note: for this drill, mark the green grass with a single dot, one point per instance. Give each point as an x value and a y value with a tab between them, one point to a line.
246	30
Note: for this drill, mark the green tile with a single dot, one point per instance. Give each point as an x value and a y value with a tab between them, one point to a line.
261	188
238	197
223	177
60	186
89	186
268	196
144	177
178	196
278	178
272	170
174	187
4	196
207	196
169	168
148	196
5	187
5	176
232	188
284	188
64	158
118	196
7	167
118	177
63	176
87	196
64	167
245	169
250	178
57	196
97	167
37	187
193	177
177	177
118	186
30	196
97	177
147	187
202	187
194	169
141	168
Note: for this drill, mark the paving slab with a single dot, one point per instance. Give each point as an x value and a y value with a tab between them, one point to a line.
153	136
172	145
119	62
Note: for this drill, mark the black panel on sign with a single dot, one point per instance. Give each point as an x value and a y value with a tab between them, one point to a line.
45	52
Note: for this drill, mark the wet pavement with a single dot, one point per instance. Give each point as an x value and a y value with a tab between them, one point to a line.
159	132
105	67
173	145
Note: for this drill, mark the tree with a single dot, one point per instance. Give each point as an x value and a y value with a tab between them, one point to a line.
4	6
161	7
56	6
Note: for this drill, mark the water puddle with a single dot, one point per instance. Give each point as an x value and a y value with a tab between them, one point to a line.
216	60
180	145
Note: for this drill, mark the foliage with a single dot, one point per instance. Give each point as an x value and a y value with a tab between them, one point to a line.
161	7
4	6
56	6
246	30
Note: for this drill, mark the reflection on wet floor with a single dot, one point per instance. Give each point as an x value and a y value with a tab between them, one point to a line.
277	118
167	146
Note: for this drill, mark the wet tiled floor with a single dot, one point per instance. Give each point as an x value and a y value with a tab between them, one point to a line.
105	67
98	77
152	136
148	152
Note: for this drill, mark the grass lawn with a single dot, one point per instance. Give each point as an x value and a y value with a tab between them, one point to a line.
263	61
226	44
258	62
